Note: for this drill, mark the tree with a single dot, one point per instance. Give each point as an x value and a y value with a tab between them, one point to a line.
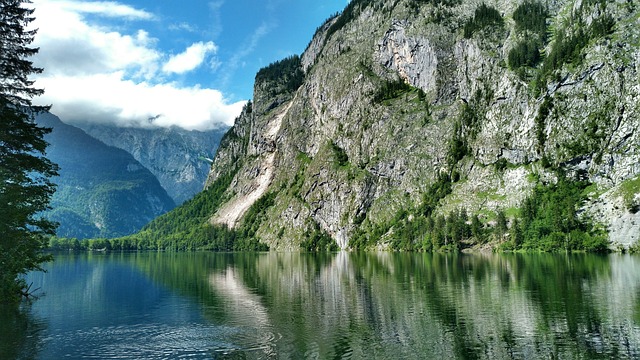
501	224
25	188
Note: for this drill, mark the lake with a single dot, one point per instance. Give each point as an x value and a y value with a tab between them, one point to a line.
329	306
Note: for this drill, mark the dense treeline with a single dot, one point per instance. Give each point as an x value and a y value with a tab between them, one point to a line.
531	16
525	54
483	17
531	23
286	72
547	220
435	2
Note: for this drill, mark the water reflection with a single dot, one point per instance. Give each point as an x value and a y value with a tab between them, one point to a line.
344	305
392	305
20	333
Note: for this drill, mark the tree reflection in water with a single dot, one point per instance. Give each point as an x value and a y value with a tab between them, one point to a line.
465	306
20	333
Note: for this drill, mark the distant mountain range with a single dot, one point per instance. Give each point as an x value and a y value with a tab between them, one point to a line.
179	158
102	190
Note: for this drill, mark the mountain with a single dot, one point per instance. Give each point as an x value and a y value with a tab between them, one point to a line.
179	158
437	125
102	190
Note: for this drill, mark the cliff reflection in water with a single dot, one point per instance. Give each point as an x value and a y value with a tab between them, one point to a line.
422	305
370	305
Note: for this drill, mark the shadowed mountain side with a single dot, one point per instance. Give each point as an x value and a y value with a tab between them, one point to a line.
102	190
180	159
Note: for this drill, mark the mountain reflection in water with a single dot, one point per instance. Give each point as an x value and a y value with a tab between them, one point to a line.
344	305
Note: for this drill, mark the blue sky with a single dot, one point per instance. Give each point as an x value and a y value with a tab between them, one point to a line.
185	63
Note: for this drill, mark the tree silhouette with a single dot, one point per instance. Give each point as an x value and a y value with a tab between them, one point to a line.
25	188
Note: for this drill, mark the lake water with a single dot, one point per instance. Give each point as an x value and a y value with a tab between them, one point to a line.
329	306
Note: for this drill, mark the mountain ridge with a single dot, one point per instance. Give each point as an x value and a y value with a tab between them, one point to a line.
421	54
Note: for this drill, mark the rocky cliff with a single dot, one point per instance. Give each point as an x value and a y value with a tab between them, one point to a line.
500	96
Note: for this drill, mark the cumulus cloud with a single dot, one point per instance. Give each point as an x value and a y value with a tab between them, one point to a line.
97	73
190	59
110	98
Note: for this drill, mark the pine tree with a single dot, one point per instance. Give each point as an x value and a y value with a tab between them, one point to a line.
25	188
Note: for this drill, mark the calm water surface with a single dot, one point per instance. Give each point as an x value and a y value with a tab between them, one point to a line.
329	306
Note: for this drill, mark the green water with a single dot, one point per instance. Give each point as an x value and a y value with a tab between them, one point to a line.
329	306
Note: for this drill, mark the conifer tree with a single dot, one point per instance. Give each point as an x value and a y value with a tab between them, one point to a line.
25	188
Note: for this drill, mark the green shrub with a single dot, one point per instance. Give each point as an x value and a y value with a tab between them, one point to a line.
318	240
342	159
391	90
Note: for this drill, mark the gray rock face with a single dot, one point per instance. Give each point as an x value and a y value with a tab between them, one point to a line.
586	120
316	45
177	157
413	58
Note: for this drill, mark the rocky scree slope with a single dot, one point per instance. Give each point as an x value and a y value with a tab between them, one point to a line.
390	95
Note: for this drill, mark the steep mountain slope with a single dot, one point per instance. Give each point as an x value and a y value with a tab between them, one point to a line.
180	159
443	124
396	93
102	191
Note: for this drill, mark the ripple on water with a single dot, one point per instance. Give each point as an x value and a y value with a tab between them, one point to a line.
148	341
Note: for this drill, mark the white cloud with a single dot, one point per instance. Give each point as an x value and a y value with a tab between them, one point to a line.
190	59
97	73
216	17
104	8
109	98
183	26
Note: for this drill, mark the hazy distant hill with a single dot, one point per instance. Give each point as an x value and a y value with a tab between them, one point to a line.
179	158
102	190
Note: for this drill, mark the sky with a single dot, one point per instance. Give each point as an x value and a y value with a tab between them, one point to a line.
141	63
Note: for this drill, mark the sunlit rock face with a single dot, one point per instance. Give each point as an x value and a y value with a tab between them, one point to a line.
348	150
